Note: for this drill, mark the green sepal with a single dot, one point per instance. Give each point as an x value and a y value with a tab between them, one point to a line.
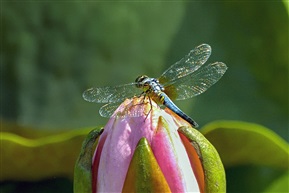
82	169
215	179
144	173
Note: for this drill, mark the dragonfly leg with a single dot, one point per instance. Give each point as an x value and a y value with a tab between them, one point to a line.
144	95
151	107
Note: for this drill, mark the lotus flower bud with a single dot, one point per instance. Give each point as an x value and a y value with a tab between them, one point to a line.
144	148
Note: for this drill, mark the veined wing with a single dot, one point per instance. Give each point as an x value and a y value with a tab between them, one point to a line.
195	83
187	65
108	109
110	94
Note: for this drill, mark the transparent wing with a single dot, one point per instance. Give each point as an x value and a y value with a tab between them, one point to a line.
195	83
108	109
110	94
187	65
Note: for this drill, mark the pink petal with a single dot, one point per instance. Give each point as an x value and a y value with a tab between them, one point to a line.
122	137
172	157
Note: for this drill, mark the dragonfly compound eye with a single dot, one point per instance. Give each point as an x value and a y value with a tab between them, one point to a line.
139	80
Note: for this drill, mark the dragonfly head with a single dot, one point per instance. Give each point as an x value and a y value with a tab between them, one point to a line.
140	81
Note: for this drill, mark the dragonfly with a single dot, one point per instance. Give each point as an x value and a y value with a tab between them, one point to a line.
185	79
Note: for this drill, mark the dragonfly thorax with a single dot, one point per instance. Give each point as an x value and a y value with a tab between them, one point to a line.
149	84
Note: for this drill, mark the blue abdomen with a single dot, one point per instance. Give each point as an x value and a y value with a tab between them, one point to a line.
169	103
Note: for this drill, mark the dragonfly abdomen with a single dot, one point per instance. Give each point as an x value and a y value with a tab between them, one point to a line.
165	100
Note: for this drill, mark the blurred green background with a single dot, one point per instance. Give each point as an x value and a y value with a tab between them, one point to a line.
51	51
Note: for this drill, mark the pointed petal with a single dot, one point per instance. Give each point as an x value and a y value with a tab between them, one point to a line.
123	134
144	173
173	159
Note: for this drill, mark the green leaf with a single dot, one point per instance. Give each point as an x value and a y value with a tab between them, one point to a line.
43	154
256	178
279	185
286	3
240	143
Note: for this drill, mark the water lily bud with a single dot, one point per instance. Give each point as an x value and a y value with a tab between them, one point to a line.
144	148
